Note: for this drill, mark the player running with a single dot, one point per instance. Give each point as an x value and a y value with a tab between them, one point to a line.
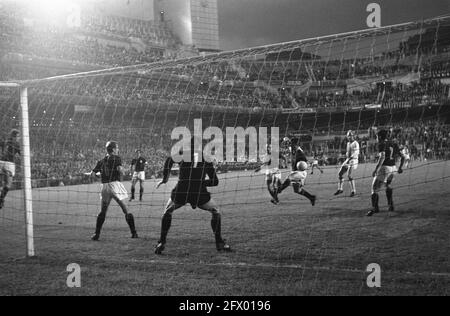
111	171
298	175
384	172
138	169
349	165
9	150
406	153
315	162
192	188
273	176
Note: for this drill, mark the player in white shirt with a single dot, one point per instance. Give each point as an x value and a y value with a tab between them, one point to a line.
273	175
350	164
406	154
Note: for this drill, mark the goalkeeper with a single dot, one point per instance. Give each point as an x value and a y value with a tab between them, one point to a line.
192	189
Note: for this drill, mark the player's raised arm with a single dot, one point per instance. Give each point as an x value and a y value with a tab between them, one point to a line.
166	173
213	180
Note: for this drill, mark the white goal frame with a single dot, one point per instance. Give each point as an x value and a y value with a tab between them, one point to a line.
26	165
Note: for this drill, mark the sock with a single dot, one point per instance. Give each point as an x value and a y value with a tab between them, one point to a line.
166	222
141	193
352	185
4	193
306	194
340	184
389	195
100	221
130	221
273	193
375	201
132	192
216	225
285	184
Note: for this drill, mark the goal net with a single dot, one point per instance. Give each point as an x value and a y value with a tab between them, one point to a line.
313	91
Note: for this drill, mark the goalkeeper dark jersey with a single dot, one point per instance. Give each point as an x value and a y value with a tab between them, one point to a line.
298	155
192	176
9	150
192	182
139	164
109	168
391	151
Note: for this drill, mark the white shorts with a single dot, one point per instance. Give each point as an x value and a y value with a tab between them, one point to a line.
273	175
385	172
407	157
139	175
8	168
315	162
298	177
113	190
351	163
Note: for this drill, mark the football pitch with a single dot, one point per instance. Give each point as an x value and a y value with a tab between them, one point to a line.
286	249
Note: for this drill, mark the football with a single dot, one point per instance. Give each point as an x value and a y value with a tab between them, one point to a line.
302	166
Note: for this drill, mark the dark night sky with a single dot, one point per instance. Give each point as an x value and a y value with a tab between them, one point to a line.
249	23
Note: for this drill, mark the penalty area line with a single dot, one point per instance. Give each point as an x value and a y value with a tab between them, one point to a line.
286	266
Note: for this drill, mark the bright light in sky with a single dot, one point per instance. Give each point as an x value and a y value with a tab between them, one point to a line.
52	7
57	12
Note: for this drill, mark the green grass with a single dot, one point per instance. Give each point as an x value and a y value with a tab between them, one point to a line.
289	249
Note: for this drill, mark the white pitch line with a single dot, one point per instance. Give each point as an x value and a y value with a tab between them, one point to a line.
287	266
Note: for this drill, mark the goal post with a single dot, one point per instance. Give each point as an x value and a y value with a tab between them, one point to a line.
26	167
25	164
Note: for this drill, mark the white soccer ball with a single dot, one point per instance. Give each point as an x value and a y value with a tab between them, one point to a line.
302	166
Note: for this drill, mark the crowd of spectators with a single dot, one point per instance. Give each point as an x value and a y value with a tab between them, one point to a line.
326	81
86	44
62	157
425	139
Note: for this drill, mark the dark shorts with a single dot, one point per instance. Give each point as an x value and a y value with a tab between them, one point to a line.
195	199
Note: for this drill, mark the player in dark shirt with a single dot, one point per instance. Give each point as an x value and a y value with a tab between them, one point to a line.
9	150
389	152
192	188
138	170
297	177
111	170
297	155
